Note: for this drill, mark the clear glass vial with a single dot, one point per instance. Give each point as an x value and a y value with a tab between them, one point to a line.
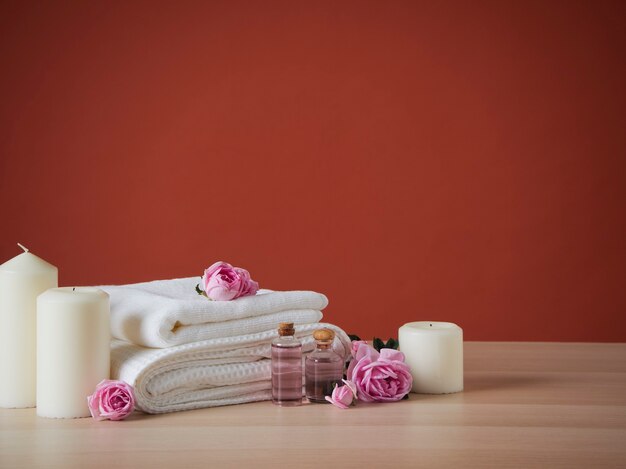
286	367
323	367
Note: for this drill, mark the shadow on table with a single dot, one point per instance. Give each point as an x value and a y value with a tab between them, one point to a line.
475	385
499	382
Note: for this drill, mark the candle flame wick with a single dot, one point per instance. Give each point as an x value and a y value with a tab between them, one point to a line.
23	247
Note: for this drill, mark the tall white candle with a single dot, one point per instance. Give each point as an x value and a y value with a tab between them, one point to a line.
434	352
73	349
21	280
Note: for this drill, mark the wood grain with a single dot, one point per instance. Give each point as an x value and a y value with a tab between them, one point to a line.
524	405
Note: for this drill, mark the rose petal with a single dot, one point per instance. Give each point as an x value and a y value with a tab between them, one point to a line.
335	403
350	385
364	350
391	354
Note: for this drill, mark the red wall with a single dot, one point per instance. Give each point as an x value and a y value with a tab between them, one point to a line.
460	161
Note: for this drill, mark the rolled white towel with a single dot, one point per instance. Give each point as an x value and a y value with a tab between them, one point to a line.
210	373
165	313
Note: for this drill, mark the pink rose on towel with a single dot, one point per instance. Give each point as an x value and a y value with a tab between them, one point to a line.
343	396
379	377
113	400
223	282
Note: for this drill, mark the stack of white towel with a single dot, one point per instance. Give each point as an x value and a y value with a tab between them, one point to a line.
182	351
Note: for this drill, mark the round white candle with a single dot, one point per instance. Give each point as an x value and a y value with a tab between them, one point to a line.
22	279
434	352
73	349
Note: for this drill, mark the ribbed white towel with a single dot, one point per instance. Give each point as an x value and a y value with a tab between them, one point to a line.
210	373
164	313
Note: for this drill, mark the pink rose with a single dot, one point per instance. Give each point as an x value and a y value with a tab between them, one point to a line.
223	282
342	396
113	400
379	377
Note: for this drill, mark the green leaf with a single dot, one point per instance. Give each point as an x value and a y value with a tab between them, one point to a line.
392	343
354	337
378	344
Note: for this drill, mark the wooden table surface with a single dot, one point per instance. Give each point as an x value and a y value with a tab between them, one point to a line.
524	405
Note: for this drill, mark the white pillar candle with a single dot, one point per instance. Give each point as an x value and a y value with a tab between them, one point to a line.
73	349
434	352
22	279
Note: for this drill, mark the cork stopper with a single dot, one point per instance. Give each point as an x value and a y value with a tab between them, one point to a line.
324	335
286	328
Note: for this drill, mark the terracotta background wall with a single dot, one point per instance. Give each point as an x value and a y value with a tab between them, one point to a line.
461	161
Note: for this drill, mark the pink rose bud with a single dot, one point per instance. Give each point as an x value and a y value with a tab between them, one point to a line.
223	282
342	396
113	400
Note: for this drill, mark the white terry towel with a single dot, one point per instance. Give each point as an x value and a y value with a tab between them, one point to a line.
211	373
165	313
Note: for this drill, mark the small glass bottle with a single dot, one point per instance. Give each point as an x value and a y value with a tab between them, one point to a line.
323	367
286	367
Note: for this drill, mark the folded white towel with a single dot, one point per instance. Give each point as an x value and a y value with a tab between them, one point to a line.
164	313
215	372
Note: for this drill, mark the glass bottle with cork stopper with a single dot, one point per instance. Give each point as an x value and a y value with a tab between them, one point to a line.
323	367
286	367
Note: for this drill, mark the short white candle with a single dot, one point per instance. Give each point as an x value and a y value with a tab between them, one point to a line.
73	349
434	352
21	280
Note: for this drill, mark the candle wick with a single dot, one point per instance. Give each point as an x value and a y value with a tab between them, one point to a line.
74	289
431	325
23	247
